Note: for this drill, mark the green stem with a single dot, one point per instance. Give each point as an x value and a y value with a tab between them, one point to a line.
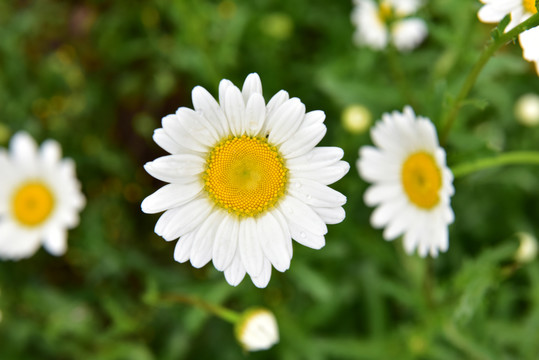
516	157
494	44
219	311
399	76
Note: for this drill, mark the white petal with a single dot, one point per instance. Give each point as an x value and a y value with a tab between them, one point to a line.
305	237
223	86
315	194
326	175
234	110
283	123
180	168
387	211
23	148
262	280
382	192
316	159
255	114
183	219
55	240
409	33
314	117
298	213
202	249
174	128
397	226
276	101
51	152
249	247
273	240
226	242
206	106
235	273
529	41
164	140
182	250
331	215
170	196
198	127
305	139
252	85
16	244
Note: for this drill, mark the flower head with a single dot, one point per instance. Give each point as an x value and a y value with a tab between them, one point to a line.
245	178
389	21
412	185
40	198
356	119
527	109
527	250
495	10
257	330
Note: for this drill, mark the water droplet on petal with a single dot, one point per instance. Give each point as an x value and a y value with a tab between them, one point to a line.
303	235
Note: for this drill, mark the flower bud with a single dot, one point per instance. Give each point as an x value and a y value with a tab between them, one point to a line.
527	109
356	119
257	329
527	250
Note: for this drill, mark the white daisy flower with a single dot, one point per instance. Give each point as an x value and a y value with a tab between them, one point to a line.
412	185
257	330
495	10
40	198
377	24
245	177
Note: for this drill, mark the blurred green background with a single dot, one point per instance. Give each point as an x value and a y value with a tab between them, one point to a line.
98	76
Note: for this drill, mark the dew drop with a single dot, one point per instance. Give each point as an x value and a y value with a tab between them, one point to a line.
303	235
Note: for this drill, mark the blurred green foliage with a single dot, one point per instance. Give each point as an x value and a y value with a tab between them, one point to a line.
98	76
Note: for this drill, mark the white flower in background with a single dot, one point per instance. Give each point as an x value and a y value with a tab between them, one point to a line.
527	109
257	330
495	10
245	177
412	185
40	198
527	250
378	24
356	119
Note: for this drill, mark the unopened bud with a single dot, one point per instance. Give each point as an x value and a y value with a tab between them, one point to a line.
257	330
356	119
527	250
527	109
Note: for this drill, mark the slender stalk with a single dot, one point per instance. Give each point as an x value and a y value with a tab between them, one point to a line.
219	311
494	44
399	76
516	157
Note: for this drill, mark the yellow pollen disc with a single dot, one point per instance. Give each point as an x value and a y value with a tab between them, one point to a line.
529	6
422	180
32	203
245	175
384	12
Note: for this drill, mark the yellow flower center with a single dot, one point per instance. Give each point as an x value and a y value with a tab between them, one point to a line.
385	11
245	175
422	180
32	203
529	6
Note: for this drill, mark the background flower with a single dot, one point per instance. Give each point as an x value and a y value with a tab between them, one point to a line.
40	198
495	10
388	21
411	182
